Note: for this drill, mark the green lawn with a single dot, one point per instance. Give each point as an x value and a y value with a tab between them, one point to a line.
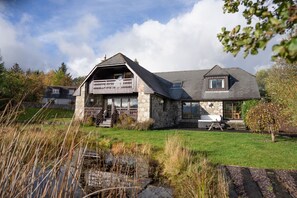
229	148
47	114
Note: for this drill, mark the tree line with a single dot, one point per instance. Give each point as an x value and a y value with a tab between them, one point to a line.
29	85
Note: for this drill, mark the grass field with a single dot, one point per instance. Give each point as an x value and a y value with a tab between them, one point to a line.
229	148
47	114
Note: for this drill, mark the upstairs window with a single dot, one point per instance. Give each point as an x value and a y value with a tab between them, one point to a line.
216	83
177	85
70	92
56	91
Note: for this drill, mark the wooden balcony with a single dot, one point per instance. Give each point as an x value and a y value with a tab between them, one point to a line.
111	86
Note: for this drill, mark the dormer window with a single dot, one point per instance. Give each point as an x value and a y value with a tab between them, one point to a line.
177	85
216	83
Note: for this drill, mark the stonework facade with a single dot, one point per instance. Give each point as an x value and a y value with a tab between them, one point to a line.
211	108
144	101
164	112
80	103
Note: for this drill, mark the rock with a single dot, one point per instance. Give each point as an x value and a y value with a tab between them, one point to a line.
156	192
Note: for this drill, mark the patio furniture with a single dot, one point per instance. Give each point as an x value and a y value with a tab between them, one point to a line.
215	124
210	122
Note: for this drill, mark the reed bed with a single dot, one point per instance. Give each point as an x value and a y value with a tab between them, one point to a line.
39	161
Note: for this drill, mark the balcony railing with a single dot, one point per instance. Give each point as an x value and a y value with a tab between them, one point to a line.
126	85
93	111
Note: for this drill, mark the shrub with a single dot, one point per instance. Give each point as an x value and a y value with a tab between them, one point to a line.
146	125
246	106
128	122
265	117
89	121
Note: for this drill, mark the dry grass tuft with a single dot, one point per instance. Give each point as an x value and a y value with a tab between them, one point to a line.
177	158
189	177
120	148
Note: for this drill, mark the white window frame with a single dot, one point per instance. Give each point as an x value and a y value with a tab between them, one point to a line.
56	91
216	79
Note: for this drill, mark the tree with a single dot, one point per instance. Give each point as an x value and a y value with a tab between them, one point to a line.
281	86
261	77
2	68
265	117
63	68
78	80
61	77
16	69
265	19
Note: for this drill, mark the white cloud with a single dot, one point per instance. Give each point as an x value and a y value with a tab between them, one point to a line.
261	67
26	52
188	41
75	43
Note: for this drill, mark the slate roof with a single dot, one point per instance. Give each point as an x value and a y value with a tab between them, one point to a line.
216	71
242	85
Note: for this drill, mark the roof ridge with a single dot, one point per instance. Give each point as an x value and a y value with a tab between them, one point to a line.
243	70
180	71
216	67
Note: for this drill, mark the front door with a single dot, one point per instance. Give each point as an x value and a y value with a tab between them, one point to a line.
108	103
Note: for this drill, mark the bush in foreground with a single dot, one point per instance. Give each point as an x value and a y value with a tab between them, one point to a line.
265	117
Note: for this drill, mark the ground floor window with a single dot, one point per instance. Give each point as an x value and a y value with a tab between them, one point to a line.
122	102
190	110
232	110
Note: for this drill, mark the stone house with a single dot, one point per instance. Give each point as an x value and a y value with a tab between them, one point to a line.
170	98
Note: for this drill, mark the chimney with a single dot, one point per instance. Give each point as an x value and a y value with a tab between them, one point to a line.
104	59
136	61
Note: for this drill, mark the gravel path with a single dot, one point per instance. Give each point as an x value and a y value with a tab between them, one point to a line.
253	183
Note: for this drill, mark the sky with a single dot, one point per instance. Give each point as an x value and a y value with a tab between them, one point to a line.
163	35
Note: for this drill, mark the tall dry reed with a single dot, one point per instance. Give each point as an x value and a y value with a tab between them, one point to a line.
191	177
38	160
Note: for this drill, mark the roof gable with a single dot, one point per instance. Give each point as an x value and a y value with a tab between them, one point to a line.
158	85
154	82
117	59
216	71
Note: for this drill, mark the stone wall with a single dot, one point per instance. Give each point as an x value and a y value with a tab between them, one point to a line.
211	108
144	101
80	103
164	112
